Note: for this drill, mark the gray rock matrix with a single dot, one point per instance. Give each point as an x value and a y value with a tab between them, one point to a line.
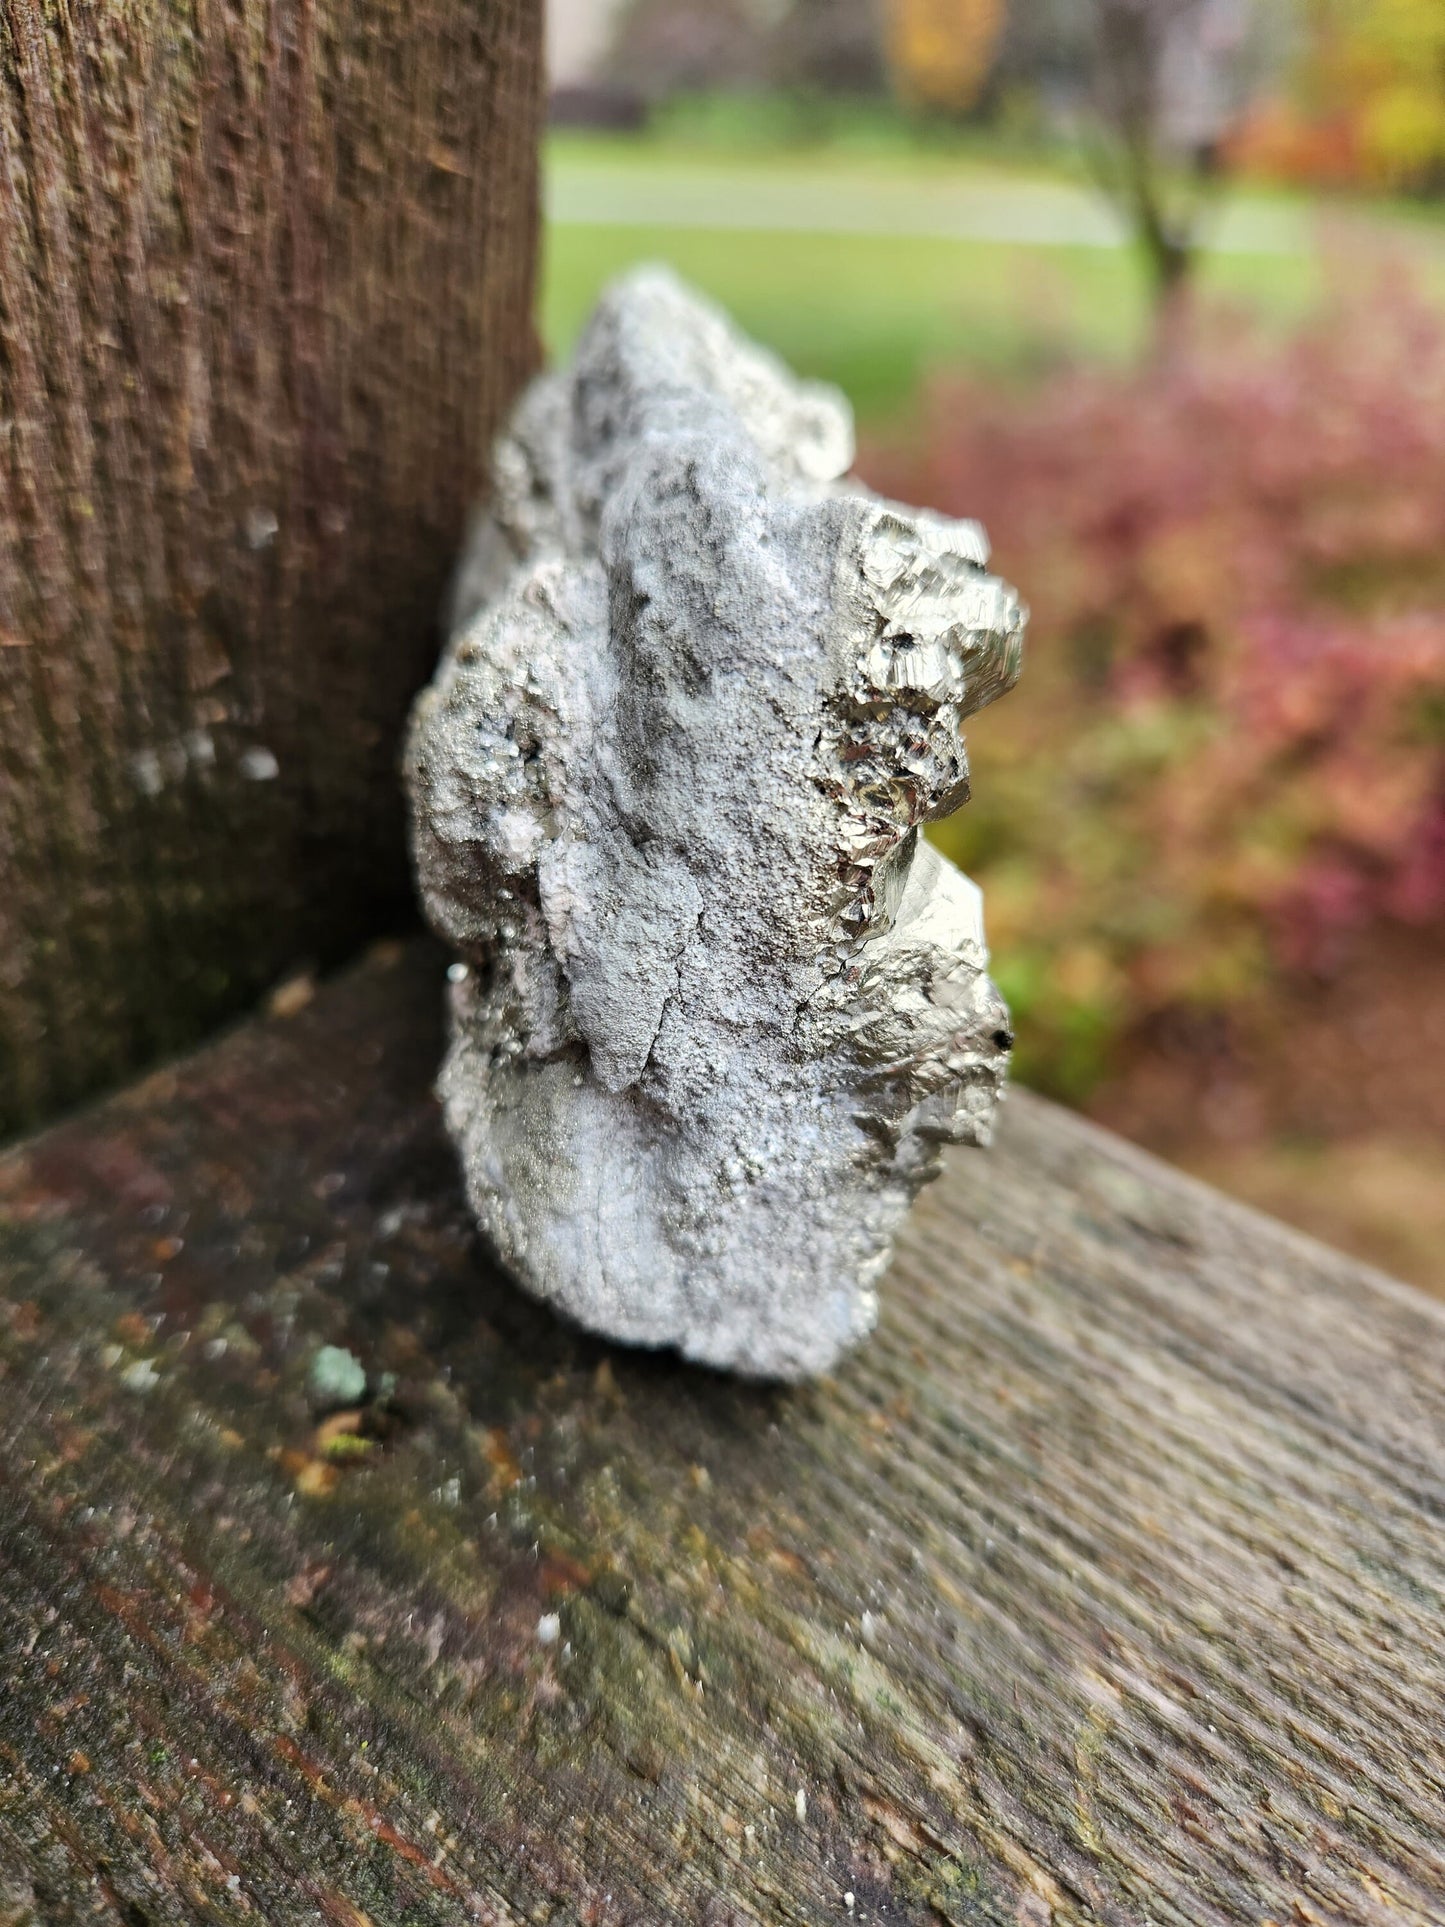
720	1004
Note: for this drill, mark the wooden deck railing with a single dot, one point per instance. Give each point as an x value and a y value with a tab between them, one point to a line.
1105	1584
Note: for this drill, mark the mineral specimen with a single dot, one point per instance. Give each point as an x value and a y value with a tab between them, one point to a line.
720	1003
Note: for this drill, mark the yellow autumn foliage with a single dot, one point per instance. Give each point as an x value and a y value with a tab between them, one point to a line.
940	52
1384	62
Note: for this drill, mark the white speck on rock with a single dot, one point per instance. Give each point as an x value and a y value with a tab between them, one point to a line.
549	1629
258	765
154	767
146	772
703	689
261	528
800	1805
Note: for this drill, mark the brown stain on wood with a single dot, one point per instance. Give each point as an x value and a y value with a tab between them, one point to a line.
1151	1551
254	340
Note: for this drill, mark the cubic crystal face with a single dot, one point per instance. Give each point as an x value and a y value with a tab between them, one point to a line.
720	1003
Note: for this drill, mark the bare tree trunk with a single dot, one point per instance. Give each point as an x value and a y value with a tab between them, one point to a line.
1130	43
1166	240
265	285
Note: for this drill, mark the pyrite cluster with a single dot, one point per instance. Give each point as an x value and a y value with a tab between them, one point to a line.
719	1003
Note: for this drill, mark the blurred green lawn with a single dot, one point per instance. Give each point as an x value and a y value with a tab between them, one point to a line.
876	311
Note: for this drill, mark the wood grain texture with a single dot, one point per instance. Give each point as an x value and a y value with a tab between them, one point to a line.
265	288
1105	1584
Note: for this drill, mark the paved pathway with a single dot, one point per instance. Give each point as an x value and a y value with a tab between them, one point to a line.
817	200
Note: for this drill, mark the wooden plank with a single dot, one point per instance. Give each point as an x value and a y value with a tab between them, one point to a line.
1105	1584
265	294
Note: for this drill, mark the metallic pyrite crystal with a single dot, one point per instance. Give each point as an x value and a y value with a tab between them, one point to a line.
720	1003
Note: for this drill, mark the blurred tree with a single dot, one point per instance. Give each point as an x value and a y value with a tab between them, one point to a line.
1166	80
1159	85
1044	48
829	46
663	47
1380	64
940	52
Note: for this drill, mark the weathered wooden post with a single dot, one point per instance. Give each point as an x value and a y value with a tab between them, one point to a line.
265	287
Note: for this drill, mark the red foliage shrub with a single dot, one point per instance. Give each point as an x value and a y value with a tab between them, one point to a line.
1227	755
